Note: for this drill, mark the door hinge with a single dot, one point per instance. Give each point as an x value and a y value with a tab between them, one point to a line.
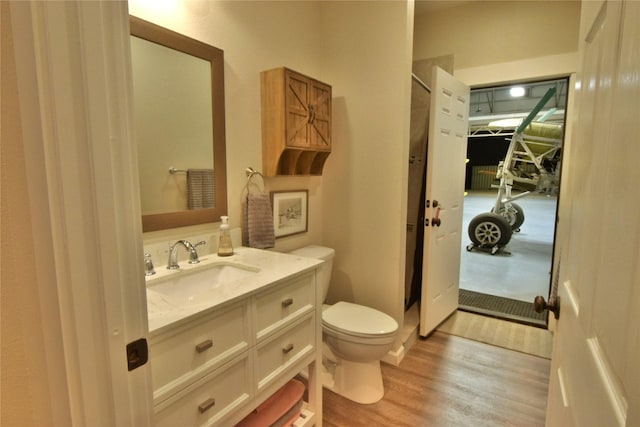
137	353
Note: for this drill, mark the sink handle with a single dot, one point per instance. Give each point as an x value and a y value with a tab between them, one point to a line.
149	270
193	253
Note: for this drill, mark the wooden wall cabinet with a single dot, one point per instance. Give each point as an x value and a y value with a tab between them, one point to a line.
296	123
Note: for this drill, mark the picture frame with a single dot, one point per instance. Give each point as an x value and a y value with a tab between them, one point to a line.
290	212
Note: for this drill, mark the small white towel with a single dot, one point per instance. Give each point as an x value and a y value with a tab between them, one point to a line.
199	188
258	222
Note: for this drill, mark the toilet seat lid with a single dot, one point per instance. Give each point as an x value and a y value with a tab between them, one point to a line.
358	319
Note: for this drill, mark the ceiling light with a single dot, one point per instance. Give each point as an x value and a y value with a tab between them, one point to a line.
516	91
506	123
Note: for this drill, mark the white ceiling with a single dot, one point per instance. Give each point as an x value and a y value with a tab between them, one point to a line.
494	103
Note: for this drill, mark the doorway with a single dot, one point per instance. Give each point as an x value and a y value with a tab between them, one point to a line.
503	280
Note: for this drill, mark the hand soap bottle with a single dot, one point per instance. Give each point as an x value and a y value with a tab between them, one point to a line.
225	247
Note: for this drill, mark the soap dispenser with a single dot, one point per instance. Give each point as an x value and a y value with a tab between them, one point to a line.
225	247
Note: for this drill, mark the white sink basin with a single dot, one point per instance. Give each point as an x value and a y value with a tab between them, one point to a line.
194	286
175	296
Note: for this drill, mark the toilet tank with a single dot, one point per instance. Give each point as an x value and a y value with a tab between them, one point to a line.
324	273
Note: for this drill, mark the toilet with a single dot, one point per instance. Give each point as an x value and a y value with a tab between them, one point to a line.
355	338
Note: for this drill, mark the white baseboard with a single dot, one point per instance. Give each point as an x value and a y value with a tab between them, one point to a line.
409	337
394	356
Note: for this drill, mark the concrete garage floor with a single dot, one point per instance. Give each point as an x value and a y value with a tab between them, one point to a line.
527	271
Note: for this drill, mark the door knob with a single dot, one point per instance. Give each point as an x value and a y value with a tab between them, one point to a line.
540	305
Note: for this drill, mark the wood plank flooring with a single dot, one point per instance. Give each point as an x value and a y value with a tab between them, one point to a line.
447	380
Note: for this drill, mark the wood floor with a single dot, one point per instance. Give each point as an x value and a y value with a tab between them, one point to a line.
447	380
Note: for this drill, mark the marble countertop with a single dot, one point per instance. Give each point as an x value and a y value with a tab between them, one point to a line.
265	268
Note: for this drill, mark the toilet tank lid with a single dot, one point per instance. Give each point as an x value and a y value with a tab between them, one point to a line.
357	318
314	251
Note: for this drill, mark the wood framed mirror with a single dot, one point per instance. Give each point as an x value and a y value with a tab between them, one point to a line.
179	121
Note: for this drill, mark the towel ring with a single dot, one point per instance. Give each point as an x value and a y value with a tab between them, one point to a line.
251	172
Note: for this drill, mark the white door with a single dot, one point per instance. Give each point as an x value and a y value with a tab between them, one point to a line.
73	76
595	375
446	153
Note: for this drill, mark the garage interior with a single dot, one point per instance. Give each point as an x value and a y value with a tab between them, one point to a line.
504	284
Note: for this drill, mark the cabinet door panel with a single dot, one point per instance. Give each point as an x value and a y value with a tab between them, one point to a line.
297	93
320	120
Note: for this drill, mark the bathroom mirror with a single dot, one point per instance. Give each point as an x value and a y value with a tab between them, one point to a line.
179	123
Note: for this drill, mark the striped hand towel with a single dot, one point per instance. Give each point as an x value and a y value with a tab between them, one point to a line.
258	222
199	188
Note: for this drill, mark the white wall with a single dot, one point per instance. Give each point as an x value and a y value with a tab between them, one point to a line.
368	52
363	49
255	36
502	41
492	32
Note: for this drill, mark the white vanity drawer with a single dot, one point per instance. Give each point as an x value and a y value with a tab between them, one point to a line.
182	354
283	350
283	304
209	400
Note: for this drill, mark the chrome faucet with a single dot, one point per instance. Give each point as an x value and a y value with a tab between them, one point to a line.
172	264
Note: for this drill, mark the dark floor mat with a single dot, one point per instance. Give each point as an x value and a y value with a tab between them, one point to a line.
500	307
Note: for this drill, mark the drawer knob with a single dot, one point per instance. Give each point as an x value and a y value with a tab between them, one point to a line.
287	349
204	346
287	302
206	405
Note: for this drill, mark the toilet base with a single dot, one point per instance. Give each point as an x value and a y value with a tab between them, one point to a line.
360	382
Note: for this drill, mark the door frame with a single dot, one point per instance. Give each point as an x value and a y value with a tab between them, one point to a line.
73	74
568	120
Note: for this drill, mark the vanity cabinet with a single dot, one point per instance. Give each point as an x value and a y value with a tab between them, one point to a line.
296	123
215	367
